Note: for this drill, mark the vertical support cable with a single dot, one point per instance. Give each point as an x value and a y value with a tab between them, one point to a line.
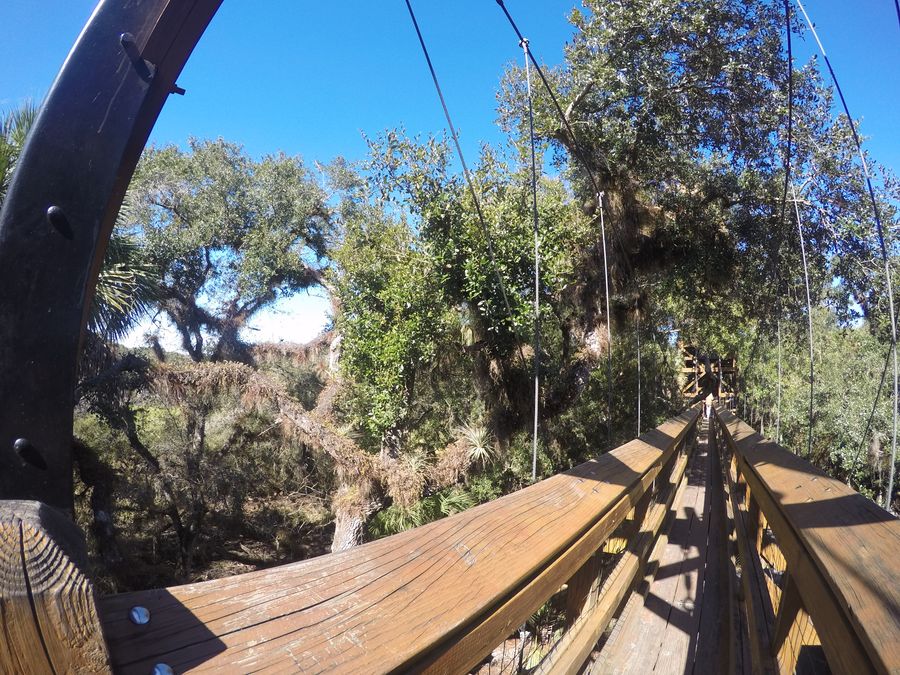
637	332
778	395
537	268
609	381
880	232
812	377
596	187
784	195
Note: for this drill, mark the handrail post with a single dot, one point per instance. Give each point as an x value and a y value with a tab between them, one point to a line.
48	617
808	599
785	639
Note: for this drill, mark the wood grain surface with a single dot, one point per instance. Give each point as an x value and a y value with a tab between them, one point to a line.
47	612
403	602
842	550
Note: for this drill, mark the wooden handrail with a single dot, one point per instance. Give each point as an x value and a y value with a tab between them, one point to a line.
812	545
436	598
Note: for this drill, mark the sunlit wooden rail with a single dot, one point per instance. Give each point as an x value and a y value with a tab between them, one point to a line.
819	563
817	566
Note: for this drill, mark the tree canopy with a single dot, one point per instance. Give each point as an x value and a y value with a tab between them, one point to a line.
416	402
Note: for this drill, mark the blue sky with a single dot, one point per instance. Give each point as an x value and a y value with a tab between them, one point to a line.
308	77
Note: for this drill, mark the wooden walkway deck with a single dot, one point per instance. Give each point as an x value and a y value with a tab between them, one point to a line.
674	621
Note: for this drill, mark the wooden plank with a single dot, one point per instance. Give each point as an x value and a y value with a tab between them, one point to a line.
579	591
758	614
443	594
573	649
661	632
683	622
785	642
47	612
840	547
716	645
576	645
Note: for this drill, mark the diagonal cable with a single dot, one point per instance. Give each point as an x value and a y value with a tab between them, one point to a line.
471	185
599	196
880	232
565	120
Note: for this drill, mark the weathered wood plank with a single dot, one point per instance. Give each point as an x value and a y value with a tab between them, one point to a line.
661	631
47	612
840	547
575	645
405	601
756	607
679	640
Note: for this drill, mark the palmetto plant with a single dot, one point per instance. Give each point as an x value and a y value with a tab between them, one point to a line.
126	288
14	127
479	441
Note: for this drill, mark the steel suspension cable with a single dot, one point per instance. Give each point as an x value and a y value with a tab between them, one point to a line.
470	183
880	232
609	345
787	182
637	332
537	268
778	384
812	372
598	193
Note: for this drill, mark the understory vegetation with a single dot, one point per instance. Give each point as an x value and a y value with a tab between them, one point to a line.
416	402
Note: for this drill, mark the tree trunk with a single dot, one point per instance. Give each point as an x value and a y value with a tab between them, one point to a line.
348	531
351	506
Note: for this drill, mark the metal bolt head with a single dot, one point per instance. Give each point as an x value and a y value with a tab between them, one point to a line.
139	615
58	221
163	669
29	454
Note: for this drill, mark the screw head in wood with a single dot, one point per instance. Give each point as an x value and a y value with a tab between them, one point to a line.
139	615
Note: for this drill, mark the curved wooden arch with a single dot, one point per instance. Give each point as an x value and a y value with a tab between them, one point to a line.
58	215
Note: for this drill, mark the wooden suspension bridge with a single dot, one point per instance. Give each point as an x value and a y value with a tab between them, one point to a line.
700	546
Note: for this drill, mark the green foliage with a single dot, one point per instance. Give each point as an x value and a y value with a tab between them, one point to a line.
479	441
392	318
849	362
126	288
227	235
395	519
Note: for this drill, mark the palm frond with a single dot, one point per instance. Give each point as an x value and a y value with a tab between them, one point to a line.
14	128
479	441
